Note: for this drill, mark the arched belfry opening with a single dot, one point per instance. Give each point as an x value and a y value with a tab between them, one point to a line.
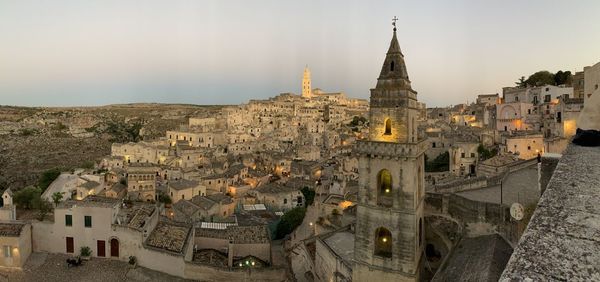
384	186
392	66
383	242
388	127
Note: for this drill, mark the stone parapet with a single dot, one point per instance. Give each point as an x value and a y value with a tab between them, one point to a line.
562	242
390	150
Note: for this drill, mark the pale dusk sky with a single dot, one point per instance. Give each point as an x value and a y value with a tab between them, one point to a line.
66	53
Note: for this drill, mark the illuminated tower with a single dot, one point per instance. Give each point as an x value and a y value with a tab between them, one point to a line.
306	90
389	228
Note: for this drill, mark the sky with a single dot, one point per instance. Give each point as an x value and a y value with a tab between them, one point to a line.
84	53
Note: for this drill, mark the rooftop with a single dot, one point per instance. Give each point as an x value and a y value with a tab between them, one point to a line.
136	216
182	184
257	234
169	236
476	259
90	201
562	240
341	244
11	228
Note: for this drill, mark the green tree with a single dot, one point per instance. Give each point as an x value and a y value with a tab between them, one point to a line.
540	78
26	197
561	78
48	177
522	82
164	198
309	195
289	221
57	197
43	206
485	153
439	164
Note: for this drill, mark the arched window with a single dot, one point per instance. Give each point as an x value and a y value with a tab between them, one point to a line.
392	66
388	127
383	242
384	186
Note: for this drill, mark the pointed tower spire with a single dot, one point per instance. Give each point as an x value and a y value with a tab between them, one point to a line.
393	70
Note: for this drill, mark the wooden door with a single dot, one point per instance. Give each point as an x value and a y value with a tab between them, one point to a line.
70	245
114	247
101	248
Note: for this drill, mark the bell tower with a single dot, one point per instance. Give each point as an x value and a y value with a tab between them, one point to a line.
389	233
306	87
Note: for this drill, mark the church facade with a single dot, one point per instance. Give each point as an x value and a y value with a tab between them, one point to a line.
389	232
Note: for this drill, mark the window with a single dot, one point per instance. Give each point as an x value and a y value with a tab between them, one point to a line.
392	66
7	252
528	147
462	155
547	98
516	98
383	242
88	221
388	127
68	220
384	184
284	201
472	155
183	196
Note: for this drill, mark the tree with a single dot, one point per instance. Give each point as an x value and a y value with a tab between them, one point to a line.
485	153
309	195
540	78
57	197
164	198
521	83
43	206
26	197
561	78
47	178
439	164
289	221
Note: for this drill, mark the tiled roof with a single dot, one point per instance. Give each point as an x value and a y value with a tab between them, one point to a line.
169	236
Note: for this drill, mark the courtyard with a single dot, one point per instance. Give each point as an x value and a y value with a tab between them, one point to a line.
53	267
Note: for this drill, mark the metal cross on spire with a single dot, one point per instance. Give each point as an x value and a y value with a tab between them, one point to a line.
394	22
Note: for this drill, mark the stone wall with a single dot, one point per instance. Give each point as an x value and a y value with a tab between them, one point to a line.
561	241
478	218
208	273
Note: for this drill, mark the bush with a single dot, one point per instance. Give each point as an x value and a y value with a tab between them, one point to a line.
132	260
27	197
485	153
439	164
309	195
164	198
289	221
85	251
47	178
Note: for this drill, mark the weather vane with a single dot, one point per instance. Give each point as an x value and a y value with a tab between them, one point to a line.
394	22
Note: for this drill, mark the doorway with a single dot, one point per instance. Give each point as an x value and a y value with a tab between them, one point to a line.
70	245
101	244
114	247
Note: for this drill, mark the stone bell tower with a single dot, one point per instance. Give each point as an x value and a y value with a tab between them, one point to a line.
389	233
306	87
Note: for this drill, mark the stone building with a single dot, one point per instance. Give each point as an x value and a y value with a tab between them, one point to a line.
389	228
592	80
141	182
15	239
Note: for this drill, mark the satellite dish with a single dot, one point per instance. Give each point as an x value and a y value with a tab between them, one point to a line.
517	211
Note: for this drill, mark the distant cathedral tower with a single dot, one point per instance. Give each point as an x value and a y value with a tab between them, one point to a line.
306	87
389	233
